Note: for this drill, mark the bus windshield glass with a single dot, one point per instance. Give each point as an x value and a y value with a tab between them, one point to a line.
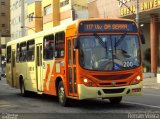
109	52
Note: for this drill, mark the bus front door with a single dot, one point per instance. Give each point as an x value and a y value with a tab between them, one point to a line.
71	68
39	67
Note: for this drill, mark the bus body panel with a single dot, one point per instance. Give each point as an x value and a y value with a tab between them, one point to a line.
31	77
99	92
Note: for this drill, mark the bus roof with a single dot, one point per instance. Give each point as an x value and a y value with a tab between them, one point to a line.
63	28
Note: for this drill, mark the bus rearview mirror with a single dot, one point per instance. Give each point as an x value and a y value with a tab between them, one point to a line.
142	37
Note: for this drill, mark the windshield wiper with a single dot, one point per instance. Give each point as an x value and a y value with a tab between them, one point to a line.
100	40
120	39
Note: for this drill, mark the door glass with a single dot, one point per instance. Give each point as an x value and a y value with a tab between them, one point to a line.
70	80
38	57
75	82
69	52
40	62
74	54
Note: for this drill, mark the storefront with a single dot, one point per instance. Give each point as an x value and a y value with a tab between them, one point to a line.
149	23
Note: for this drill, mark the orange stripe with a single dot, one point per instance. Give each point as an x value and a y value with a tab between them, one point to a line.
46	77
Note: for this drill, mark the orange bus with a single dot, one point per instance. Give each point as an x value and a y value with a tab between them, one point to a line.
93	58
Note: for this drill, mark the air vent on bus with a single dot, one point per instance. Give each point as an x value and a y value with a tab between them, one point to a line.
112	77
117	84
110	91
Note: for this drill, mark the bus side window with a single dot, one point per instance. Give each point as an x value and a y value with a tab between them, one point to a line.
48	44
30	50
17	53
8	54
23	52
59	44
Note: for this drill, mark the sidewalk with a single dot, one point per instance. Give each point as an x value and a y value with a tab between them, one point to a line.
150	81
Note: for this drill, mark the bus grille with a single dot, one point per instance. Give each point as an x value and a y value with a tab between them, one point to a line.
110	91
110	84
112	77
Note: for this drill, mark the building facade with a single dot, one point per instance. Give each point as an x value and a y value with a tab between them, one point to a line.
149	23
4	25
54	12
34	18
18	16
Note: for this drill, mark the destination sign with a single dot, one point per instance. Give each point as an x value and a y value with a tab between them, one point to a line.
107	26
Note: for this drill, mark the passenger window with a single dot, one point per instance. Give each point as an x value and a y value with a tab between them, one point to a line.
23	52
17	53
8	54
48	44
30	50
59	44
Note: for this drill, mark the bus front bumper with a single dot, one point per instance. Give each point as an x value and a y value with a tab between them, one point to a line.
108	92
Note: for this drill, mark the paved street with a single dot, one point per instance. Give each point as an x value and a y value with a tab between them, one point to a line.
44	107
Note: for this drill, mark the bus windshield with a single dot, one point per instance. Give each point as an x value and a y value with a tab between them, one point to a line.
109	52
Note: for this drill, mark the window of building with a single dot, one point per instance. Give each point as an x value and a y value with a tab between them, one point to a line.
2	3
30	16
47	10
30	50
17	34
16	4
64	3
48	44
19	3
23	52
19	18
20	33
12	21
3	14
8	54
3	25
59	44
3	46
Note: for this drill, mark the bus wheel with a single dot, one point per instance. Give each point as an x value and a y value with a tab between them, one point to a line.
115	100
61	95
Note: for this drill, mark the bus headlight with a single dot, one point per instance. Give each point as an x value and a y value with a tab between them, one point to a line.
85	80
136	80
88	82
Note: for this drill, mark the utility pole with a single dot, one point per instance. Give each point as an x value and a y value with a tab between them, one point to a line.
137	13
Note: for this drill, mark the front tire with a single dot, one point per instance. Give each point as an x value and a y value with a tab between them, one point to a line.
62	95
115	100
